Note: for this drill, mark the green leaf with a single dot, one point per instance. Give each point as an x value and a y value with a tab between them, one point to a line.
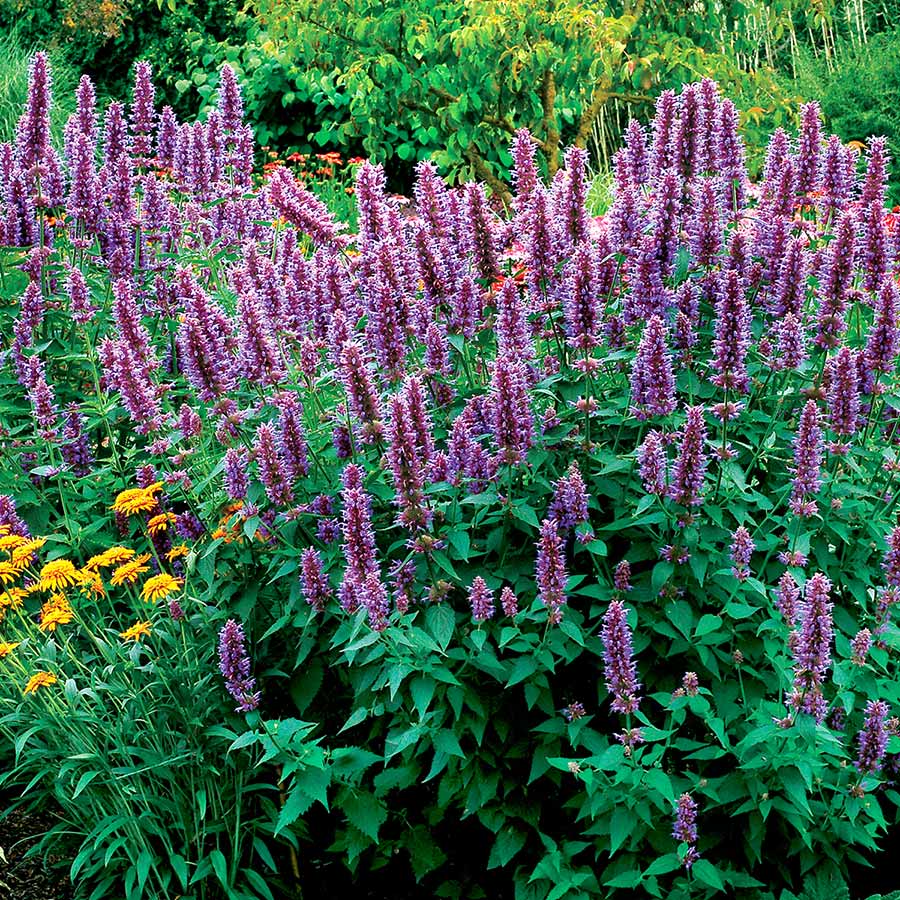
220	867
441	622
447	742
707	624
523	667
507	844
706	873
365	812
620	827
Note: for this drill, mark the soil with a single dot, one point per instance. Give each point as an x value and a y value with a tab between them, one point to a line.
28	878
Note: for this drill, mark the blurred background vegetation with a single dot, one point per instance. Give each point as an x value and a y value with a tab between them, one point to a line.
403	80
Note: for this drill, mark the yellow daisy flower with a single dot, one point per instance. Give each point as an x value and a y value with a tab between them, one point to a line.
7	648
24	553
39	680
114	556
12	598
160	523
56	611
137	500
160	586
8	573
11	541
91	583
4	529
136	632
176	552
128	572
59	574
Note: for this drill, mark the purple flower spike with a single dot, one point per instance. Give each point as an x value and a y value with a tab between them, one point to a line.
812	652
742	547
234	664
651	456
843	392
807	469
732	335
873	738
301	208
652	378
689	471
550	570
619	667
316	588
481	599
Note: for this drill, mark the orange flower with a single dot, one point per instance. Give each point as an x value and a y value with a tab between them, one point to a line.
128	572
136	632
39	680
160	586
160	523
55	612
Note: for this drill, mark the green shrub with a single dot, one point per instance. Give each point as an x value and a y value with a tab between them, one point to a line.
860	95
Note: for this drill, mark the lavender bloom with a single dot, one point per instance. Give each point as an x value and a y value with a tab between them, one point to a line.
843	392
653	464
524	171
230	103
742	547
540	250
42	397
234	664
33	129
291	437
652	378
10	518
689	139
812	654
891	564
860	646
874	249
834	185
791	343
690	467
809	148
359	540
435	208
883	342
76	449
665	215
316	588
705	228
835	282
272	471
85	116
620	669
509	603
481	600
789	290
787	598
513	422
419	419
873	738
807	470
648	296
358	381
550	570
189	422
301	208
875	180
128	319
622	576
685	828
732	167
624	219
115	136
636	154
258	359
664	122
478	237
570	502
407	466
732	335
130	375
570	212
166	136
513	340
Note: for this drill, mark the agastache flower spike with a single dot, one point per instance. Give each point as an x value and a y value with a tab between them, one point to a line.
359	539
550	570
509	603
883	341
835	282
143	113
807	468
843	392
664	123
812	654
653	464
524	171
791	343
230	103
809	148
685	828
513	421
705	225
732	335
358	380
407	466
272	471
234	664
689	470
478	236
873	738
481	600
874	250
301	208
235	474
742	547
876	173
652	377
620	670
316	588
570	502
787	598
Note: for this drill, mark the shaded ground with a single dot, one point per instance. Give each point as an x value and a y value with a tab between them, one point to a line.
28	879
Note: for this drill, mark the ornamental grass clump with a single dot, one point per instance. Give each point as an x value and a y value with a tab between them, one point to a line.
488	548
